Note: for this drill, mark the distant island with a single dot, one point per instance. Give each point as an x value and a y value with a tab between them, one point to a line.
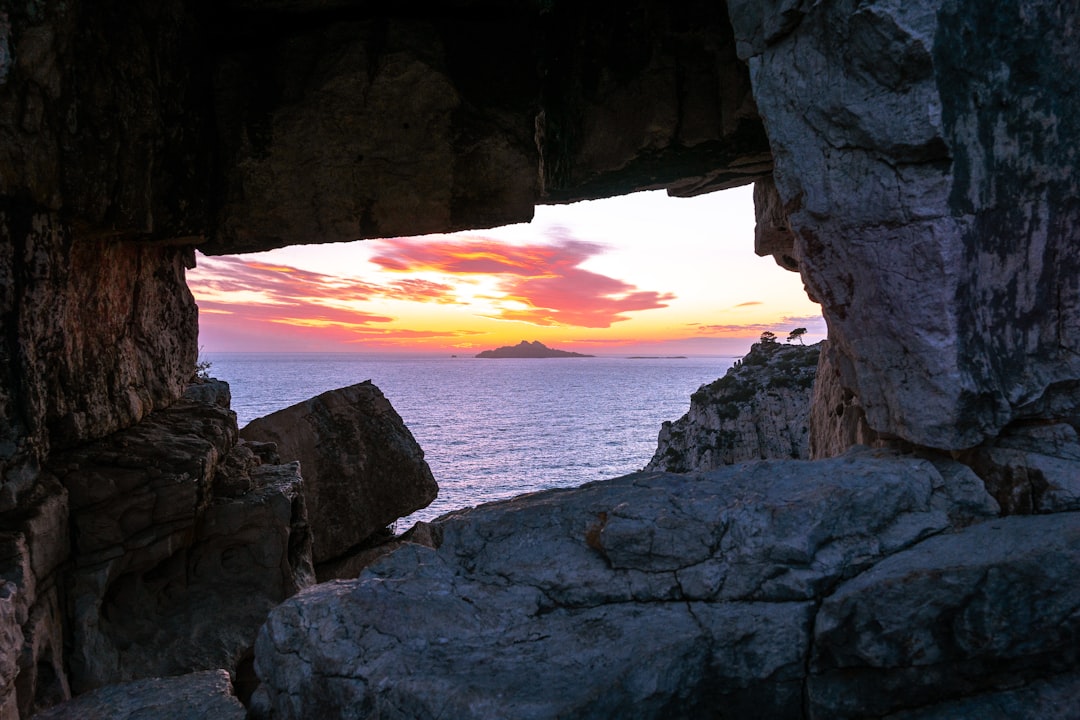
526	349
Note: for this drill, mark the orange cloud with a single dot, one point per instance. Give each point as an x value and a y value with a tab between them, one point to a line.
547	279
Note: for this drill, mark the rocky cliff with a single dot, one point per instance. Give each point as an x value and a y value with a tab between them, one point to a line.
759	410
915	163
159	549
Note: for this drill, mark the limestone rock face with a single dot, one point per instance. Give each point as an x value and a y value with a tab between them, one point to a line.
956	614
104	112
102	142
772	234
673	596
362	467
1031	468
168	575
923	158
351	124
926	160
660	102
759	410
11	643
206	695
837	419
67	384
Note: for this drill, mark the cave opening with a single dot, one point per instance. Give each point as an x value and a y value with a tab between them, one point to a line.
663	293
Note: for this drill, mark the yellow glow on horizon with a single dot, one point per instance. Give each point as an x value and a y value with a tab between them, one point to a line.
637	273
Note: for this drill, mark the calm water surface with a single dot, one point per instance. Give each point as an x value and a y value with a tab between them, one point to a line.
492	429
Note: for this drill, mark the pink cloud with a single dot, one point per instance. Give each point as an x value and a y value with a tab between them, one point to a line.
282	284
546	278
278	303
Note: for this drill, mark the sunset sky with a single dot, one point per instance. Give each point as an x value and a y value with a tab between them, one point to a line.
638	274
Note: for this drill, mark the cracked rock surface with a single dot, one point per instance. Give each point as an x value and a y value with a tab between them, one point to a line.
780	589
759	410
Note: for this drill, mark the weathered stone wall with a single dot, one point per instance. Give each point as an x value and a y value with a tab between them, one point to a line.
926	155
102	142
97	333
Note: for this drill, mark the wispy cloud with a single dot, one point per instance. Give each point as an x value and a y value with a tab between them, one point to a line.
814	323
542	284
273	284
237	295
263	283
748	304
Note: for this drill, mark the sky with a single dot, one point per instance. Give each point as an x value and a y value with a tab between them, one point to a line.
641	274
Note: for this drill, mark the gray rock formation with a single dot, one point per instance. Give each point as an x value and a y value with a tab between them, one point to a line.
168	574
362	467
673	596
759	410
986	608
1031	468
926	164
375	125
772	232
206	695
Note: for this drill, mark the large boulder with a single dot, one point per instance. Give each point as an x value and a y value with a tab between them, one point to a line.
173	567
759	410
362	467
688	595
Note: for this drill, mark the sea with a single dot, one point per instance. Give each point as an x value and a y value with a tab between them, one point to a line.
493	428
